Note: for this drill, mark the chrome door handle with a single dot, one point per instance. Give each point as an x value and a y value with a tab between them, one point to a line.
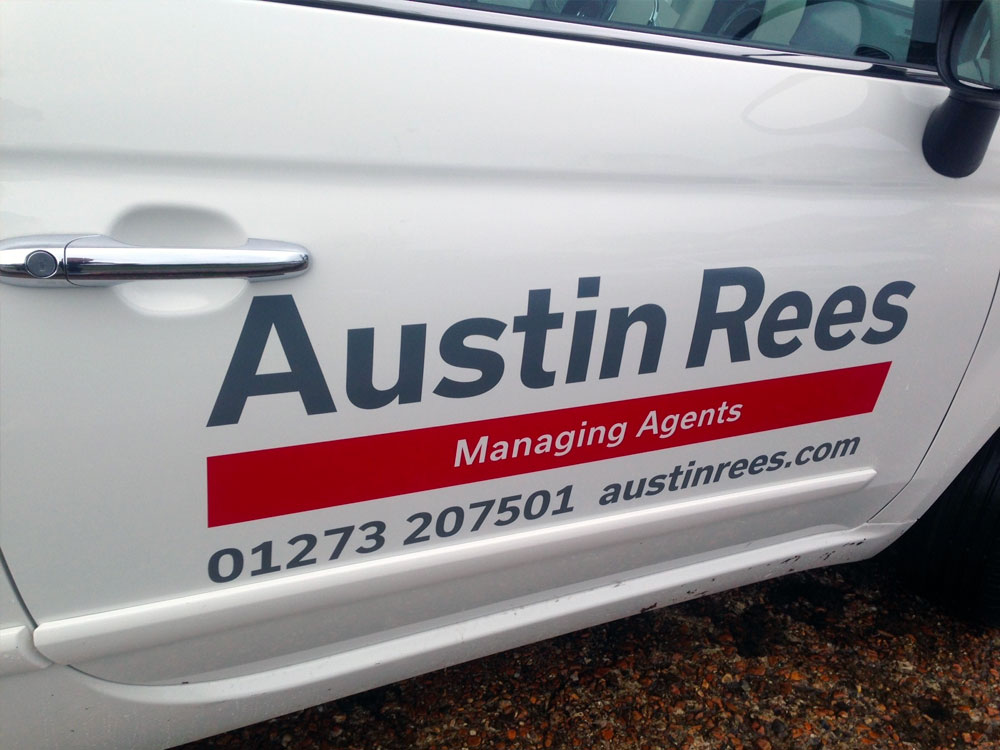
95	260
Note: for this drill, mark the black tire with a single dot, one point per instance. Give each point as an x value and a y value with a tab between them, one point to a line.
953	551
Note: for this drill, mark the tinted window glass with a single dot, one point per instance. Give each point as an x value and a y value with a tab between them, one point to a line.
978	57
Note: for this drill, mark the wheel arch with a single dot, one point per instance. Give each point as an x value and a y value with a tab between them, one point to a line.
971	423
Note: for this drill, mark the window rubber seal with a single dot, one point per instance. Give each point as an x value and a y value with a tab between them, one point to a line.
444	12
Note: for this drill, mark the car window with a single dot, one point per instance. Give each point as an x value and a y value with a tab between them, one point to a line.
979	55
898	31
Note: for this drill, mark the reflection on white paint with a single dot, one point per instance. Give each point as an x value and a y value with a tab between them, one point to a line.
809	101
180	296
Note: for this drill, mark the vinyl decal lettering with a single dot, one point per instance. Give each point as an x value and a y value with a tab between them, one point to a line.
761	325
481	515
280	481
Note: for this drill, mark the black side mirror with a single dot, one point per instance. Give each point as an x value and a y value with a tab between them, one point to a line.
968	61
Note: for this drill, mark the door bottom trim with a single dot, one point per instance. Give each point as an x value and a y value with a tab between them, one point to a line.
83	638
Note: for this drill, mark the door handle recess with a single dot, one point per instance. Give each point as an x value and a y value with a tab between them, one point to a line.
95	260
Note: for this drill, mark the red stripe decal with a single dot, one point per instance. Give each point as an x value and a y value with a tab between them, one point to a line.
279	481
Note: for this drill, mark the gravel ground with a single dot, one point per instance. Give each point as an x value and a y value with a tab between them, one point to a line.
838	658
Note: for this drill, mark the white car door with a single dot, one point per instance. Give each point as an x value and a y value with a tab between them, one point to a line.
582	304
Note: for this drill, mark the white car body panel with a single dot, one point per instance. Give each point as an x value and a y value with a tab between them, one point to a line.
431	192
164	715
